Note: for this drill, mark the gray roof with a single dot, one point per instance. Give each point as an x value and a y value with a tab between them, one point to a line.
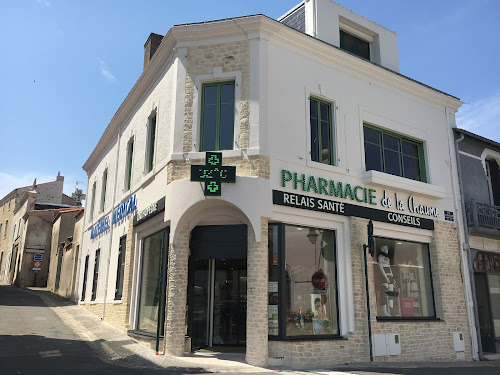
477	137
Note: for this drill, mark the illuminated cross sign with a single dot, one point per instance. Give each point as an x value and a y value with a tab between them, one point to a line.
213	173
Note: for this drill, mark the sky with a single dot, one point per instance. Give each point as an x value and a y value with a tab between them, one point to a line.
67	65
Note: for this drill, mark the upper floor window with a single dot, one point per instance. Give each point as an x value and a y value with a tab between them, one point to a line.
321	131
493	178
6	226
394	154
128	170
150	152
217	116
104	187
92	203
355	45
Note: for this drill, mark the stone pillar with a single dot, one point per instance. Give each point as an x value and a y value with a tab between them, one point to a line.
257	277
128	272
175	318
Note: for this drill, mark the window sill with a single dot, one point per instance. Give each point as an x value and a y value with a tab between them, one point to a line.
142	335
405	184
148	176
325	167
307	338
408	319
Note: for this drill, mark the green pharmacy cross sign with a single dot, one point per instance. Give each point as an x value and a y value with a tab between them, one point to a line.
213	173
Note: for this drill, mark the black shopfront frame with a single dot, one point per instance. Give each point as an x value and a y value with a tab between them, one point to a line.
282	289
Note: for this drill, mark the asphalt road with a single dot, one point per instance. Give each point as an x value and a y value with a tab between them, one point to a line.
34	340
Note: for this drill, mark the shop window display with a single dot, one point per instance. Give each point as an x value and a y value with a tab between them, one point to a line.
402	279
150	285
302	264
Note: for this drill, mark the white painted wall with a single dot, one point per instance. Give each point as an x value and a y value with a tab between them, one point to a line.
324	19
293	77
148	187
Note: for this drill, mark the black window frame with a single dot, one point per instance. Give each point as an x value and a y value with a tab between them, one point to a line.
95	279
358	44
282	282
218	110
128	168
316	131
85	272
104	189
120	268
402	139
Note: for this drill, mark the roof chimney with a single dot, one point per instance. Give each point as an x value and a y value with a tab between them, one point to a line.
151	46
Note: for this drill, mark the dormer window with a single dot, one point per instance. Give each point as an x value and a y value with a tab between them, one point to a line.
354	45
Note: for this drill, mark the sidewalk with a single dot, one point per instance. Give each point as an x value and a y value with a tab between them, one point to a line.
112	345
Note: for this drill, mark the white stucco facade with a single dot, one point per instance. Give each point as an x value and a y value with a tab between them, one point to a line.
276	72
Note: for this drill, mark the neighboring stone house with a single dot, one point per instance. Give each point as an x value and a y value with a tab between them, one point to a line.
26	218
230	197
65	248
479	161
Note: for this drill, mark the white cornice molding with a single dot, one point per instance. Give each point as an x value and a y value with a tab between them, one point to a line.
254	27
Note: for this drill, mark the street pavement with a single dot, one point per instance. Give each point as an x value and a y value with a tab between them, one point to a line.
43	333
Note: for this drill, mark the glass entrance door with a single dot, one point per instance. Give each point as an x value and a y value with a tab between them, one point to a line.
217	302
230	302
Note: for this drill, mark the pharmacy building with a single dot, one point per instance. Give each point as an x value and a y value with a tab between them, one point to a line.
231	197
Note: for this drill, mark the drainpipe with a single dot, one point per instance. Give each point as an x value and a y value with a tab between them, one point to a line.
468	259
112	226
368	304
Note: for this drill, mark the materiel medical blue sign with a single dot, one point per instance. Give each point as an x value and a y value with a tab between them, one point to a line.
119	213
213	173
101	227
124	209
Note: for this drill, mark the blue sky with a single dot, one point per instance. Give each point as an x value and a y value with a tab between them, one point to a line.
67	66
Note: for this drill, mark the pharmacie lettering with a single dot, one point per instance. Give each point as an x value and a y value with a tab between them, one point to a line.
101	226
124	209
328	187
421	209
403	219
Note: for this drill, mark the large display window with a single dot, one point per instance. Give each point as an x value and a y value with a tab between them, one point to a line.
302	283
403	280
487	283
152	289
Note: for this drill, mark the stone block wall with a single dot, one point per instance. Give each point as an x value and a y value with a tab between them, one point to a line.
248	166
257	277
118	313
175	318
231	57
